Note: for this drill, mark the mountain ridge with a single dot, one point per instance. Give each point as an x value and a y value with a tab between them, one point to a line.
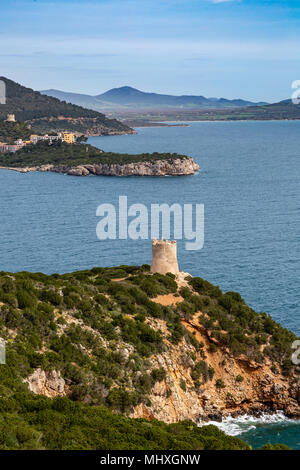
128	97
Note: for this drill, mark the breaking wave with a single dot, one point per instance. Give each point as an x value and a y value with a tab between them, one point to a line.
245	423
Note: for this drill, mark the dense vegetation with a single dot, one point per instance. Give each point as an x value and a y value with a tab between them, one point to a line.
45	112
60	153
235	325
90	126
94	327
11	131
35	422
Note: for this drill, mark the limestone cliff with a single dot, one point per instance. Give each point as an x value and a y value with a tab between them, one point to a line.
247	387
176	167
49	383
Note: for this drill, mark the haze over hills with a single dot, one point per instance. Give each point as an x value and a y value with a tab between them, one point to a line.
130	98
284	110
46	113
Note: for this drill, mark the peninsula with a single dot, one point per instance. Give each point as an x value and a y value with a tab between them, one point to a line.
85	348
82	159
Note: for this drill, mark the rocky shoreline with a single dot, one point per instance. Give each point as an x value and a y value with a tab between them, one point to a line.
176	167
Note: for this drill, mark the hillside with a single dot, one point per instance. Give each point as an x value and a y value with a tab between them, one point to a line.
130	98
11	131
85	344
48	114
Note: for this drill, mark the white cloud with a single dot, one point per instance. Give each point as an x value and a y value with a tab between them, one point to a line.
62	47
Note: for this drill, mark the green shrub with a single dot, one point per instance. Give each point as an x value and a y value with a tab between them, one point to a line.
122	400
211	372
199	369
7	285
275	447
274	369
182	385
212	348
205	288
220	384
25	300
158	375
51	296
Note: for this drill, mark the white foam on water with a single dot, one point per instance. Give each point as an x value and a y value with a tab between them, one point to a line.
235	426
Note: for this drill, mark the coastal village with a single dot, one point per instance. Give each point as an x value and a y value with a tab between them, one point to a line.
67	137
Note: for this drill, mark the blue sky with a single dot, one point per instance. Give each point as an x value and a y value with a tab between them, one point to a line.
229	48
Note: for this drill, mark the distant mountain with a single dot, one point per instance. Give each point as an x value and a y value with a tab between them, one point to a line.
127	97
47	113
86	101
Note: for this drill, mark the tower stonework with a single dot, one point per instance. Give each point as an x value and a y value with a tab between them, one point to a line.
11	118
164	257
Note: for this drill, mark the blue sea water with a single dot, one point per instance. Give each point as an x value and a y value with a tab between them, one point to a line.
248	182
274	429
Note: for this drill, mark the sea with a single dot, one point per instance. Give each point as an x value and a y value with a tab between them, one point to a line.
249	185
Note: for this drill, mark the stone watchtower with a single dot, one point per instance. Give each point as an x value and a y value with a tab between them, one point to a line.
11	118
164	257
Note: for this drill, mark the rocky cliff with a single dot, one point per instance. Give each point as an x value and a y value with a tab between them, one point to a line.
246	388
49	384
176	167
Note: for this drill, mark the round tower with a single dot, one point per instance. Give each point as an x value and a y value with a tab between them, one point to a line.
11	118
164	257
